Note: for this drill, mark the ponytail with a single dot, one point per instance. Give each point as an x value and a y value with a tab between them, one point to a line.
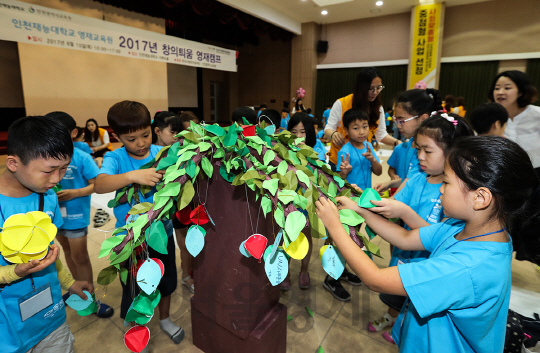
420	101
506	170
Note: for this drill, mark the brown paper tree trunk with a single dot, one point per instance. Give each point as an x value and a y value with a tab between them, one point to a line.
235	308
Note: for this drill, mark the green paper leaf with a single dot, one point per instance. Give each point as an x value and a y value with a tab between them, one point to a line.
238	180
108	244
320	350
123	274
282	167
246	122
269	157
130	194
107	275
220	153
187	194
286	196
279	216
170	189
309	311
165	211
289	318
286	240
207	167
293	158
345	192
252	174
300	201
157	237
332	189
191	169
266	205
271	186
159	201
138	225
227	176
295	222
372	248
317	226
204	146
143	306
231	137
92	309
255	139
292	180
174	175
340	181
371	234
350	217
215	129
367	196
166	162
303	177
186	156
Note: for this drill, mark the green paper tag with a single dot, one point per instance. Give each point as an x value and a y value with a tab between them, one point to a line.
367	196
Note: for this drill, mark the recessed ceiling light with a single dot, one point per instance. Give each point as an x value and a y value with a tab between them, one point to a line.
324	12
379	3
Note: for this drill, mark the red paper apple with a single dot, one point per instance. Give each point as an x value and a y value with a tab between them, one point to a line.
160	263
255	245
249	130
183	215
136	338
198	215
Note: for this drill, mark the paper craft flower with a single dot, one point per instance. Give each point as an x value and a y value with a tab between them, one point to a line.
26	237
300	92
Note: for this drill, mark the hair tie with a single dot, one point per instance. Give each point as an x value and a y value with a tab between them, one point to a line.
449	118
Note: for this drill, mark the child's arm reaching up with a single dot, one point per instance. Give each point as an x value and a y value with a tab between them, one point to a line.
386	280
391	208
376	167
107	183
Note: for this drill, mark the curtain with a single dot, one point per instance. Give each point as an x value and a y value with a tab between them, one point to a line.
333	84
533	71
470	80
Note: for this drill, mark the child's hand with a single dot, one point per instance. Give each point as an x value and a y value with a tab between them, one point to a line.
343	202
328	213
382	187
388	208
338	139
67	194
394	177
33	266
78	286
369	154
148	176
357	188
345	167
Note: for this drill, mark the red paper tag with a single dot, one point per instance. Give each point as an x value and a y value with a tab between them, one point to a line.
136	338
255	245
183	215
249	130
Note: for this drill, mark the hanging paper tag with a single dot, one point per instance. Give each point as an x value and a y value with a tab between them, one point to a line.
208	214
255	245
149	276
299	248
194	240
333	263
276	243
243	249
137	338
77	303
276	268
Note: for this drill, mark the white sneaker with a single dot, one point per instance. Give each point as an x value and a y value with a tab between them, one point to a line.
379	324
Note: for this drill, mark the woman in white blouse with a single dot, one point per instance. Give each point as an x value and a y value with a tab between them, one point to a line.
365	95
514	91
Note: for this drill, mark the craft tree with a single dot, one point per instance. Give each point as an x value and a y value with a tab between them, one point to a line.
286	176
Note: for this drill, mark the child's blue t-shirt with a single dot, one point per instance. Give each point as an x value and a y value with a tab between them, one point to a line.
83	146
325	115
320	149
405	160
18	336
320	134
425	199
119	162
361	167
459	297
76	212
285	122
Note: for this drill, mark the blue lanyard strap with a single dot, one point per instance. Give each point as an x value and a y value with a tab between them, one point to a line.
483	235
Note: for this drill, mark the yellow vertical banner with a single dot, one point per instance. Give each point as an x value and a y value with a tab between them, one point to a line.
426	37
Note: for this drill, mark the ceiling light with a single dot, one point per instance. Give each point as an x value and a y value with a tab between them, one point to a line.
379	3
324	12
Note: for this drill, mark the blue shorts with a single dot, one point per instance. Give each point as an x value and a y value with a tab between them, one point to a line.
73	233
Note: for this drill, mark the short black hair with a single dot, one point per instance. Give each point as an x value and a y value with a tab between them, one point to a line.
37	137
128	116
271	116
485	115
352	115
307	121
444	132
285	110
420	101
528	92
164	119
63	118
244	112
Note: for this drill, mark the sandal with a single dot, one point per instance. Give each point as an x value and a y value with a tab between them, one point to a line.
101	220
190	287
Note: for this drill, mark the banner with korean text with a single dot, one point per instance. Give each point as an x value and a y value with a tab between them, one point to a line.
28	23
424	58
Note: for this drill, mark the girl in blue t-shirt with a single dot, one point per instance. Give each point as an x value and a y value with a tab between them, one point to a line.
418	204
458	298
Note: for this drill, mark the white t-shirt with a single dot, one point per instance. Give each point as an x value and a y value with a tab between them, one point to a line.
98	143
524	129
334	121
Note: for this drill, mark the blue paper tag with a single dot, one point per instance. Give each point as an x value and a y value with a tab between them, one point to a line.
77	303
194	241
332	262
277	267
243	250
149	276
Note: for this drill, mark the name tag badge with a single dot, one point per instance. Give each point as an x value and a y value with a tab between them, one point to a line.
63	212
35	301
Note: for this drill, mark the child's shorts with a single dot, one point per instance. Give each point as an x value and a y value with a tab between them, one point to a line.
59	341
73	233
168	282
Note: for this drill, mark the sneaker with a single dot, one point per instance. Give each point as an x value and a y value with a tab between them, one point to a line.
336	289
176	337
304	281
351	278
103	310
101	220
190	287
99	212
388	337
385	321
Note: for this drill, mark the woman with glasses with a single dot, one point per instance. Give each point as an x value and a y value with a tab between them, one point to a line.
365	96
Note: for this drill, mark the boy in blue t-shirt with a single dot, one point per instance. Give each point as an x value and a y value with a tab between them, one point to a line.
77	186
39	152
357	157
131	124
78	141
326	114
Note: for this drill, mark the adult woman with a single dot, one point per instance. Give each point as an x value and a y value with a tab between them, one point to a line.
97	138
299	106
514	91
365	96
